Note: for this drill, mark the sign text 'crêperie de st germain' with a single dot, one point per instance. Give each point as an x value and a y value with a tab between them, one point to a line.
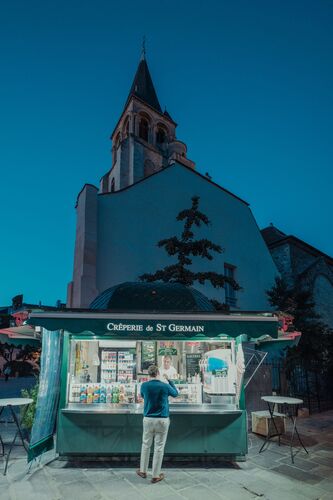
157	328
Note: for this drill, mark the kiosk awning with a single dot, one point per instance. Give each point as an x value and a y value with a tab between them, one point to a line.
18	340
158	325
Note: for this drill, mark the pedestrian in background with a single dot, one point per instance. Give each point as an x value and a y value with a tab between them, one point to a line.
156	422
7	371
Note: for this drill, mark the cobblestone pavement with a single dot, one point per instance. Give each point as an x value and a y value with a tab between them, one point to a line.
269	475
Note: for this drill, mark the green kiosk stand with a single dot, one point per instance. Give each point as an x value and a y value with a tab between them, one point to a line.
105	359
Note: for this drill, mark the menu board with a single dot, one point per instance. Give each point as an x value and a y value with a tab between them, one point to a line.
148	355
192	364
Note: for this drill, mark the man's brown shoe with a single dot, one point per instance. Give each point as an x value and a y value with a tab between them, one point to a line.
158	479
141	474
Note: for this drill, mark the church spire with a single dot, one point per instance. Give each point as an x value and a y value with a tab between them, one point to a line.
142	86
143	51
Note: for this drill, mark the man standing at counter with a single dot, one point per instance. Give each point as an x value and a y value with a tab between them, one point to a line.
156	422
167	368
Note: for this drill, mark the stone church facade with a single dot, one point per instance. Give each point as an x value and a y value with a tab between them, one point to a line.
302	264
136	204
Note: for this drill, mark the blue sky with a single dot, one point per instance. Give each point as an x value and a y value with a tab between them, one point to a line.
249	83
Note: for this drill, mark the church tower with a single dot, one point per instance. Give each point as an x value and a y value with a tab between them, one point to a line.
144	139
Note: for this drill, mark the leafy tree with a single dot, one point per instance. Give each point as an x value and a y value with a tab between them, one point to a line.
184	248
27	352
316	342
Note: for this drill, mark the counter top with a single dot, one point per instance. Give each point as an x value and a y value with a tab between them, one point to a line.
137	409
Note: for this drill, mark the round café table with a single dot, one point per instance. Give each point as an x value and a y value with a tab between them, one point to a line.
11	403
272	403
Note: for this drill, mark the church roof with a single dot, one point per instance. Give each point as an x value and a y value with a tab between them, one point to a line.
170	167
143	87
274	237
272	234
141	296
168	115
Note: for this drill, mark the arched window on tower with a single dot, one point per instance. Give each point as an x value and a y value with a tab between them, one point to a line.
160	135
144	128
126	128
112	185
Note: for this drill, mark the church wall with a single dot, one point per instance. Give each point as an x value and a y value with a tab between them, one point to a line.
130	223
282	260
138	162
82	290
300	259
302	268
124	164
323	297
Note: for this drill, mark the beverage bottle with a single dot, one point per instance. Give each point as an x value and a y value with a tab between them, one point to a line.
96	393
102	397
83	394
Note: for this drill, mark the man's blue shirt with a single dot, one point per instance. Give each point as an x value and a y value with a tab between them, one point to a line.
155	394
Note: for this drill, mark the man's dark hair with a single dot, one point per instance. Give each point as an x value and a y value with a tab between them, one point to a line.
153	371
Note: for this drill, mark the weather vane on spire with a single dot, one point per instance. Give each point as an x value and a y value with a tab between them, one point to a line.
143	52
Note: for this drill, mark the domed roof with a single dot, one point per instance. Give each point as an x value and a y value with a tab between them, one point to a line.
138	296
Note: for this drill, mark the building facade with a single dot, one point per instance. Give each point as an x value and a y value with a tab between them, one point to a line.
136	204
304	265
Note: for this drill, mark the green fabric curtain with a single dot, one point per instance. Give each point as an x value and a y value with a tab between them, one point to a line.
48	395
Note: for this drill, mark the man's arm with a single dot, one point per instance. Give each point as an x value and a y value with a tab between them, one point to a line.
171	387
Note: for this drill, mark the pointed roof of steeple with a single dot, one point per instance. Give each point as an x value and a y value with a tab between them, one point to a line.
143	87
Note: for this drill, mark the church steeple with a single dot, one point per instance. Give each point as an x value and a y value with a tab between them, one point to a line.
144	139
143	87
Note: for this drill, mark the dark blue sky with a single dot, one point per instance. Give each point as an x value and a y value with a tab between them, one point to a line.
249	83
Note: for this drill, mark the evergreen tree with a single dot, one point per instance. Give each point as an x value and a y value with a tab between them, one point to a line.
185	248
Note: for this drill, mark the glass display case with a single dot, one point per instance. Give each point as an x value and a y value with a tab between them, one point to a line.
107	374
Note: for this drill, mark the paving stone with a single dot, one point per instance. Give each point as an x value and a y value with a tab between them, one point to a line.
298	474
299	463
116	488
66	475
267	459
274	479
323	471
308	491
4	495
232	491
327	496
200	491
240	477
79	489
322	461
21	490
324	452
97	475
158	490
179	480
41	482
327	485
207	477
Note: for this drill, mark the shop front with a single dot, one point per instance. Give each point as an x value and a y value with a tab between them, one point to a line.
105	359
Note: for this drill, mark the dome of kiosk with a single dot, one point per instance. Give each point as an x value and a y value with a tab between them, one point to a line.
140	296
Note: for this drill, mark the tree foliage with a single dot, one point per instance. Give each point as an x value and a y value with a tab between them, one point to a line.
185	248
316	343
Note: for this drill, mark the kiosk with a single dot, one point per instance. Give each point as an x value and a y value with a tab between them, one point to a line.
105	359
